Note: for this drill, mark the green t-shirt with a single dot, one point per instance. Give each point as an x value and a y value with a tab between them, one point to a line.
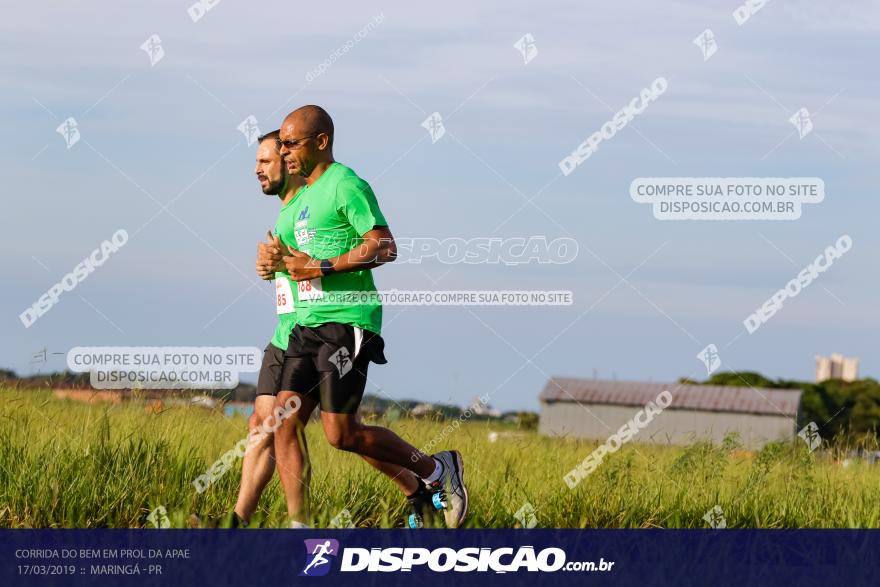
331	216
285	298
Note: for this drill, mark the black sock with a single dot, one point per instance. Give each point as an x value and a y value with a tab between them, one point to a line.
237	521
420	489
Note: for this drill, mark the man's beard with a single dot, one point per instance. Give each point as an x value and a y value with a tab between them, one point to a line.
274	188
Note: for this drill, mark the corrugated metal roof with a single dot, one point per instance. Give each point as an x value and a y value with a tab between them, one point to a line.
714	398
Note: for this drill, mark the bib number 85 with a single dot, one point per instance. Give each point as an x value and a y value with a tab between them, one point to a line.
283	296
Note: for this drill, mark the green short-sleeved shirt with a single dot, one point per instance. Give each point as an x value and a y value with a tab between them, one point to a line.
285	295
331	216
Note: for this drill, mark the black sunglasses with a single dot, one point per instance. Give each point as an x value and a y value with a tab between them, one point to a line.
295	143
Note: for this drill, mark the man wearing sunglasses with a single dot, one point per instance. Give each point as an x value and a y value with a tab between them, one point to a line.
260	460
340	235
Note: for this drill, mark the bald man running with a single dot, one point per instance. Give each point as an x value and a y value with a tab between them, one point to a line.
293	463
340	235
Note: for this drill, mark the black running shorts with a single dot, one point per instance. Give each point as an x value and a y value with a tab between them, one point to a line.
329	363
271	377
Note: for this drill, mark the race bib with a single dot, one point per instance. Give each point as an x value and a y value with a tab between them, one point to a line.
302	233
283	296
311	289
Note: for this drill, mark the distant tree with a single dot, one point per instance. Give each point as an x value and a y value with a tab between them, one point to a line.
847	411
850	409
744	378
527	420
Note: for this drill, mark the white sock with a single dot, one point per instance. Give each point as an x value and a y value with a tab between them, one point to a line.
438	470
298	525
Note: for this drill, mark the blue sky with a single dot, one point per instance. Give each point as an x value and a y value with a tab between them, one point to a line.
166	135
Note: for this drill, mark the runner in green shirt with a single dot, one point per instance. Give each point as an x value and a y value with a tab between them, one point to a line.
340	235
258	463
268	261
330	217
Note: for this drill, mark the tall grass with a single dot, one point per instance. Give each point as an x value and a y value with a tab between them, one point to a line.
68	464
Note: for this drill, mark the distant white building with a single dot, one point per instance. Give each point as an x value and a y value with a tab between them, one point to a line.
596	409
483	409
203	401
422	410
836	367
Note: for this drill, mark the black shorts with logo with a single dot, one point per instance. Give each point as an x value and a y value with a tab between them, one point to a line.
329	363
272	372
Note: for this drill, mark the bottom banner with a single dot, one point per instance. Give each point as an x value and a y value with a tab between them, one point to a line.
391	557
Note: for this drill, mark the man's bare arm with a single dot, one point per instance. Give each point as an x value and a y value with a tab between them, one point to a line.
378	247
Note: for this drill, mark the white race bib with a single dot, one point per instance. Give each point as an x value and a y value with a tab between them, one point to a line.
283	296
310	290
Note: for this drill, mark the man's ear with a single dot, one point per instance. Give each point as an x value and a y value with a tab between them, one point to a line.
323	141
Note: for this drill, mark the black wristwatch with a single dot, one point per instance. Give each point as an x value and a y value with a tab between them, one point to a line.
327	267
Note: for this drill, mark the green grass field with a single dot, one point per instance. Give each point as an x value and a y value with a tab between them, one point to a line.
68	464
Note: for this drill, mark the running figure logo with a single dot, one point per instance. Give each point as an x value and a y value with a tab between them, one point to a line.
318	553
341	359
68	129
802	122
153	48
434	125
810	434
527	48
249	129
715	518
706	43
710	357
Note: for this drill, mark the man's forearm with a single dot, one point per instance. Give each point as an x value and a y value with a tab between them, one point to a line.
367	255
377	248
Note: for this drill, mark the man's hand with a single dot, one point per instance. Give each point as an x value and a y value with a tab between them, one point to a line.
377	247
269	255
300	266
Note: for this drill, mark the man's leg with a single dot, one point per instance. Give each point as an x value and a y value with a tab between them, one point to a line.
293	463
400	476
292	456
342	389
439	479
340	380
258	463
346	432
443	473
